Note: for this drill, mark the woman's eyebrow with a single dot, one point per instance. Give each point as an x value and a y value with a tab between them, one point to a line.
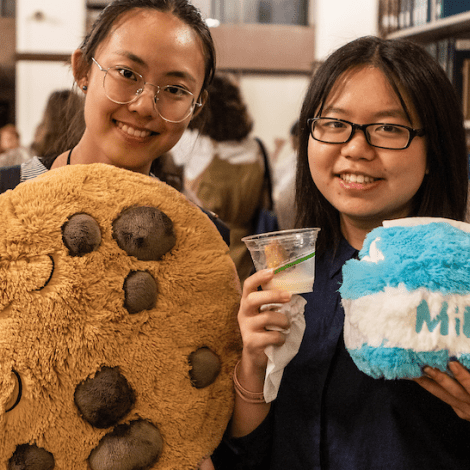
181	74
134	58
332	109
391	113
398	113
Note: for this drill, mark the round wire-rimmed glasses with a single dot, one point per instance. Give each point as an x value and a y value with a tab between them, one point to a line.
382	135
122	85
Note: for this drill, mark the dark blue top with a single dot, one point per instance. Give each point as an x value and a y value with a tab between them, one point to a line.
329	415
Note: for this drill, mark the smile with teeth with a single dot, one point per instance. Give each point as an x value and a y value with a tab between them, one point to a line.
361	179
132	131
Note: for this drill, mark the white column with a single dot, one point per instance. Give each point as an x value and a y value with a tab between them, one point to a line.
44	27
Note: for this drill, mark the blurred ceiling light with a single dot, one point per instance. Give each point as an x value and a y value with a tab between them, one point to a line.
212	22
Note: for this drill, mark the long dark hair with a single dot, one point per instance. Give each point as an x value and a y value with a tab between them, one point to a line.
410	68
63	112
225	115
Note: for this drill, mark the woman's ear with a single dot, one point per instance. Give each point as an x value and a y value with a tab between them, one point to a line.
203	100
80	69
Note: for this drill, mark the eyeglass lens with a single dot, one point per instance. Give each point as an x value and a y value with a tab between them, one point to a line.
124	86
381	135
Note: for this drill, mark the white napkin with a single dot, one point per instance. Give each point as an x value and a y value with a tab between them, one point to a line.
280	356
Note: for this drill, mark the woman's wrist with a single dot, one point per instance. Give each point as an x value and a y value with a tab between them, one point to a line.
248	396
250	406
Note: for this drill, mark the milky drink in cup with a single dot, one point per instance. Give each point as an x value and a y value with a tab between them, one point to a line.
291	253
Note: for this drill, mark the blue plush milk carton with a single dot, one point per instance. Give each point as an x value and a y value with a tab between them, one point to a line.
407	298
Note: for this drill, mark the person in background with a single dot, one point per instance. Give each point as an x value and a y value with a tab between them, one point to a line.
63	112
9	137
381	137
12	152
284	182
223	165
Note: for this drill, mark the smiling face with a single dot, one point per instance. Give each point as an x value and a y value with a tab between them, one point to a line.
165	51
367	184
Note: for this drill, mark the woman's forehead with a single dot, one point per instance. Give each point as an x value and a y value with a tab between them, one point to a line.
151	38
390	87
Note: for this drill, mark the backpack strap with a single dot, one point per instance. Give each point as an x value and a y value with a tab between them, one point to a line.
268	184
266	218
10	177
220	225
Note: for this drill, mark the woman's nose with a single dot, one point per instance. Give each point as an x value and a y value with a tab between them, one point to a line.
358	147
145	103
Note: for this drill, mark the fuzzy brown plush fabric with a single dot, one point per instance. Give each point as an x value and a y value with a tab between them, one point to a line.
118	333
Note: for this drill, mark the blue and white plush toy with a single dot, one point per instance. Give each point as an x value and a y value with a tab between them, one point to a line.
407	299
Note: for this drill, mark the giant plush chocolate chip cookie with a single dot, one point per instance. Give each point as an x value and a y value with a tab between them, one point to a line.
118	334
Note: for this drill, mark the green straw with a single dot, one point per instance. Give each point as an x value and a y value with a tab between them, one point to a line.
293	263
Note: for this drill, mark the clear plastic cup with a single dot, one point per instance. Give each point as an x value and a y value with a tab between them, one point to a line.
291	253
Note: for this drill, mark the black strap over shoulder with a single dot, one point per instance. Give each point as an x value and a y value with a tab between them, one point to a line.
268	202
221	226
266	218
9	177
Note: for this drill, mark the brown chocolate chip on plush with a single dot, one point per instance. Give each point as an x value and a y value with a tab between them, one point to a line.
205	367
31	457
81	234
136	445
104	399
144	232
140	290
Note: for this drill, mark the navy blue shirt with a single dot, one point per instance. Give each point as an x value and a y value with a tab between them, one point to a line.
329	415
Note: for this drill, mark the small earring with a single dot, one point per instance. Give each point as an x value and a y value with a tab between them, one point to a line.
84	88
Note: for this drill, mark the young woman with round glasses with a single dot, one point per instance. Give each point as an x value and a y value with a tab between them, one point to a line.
144	69
382	137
